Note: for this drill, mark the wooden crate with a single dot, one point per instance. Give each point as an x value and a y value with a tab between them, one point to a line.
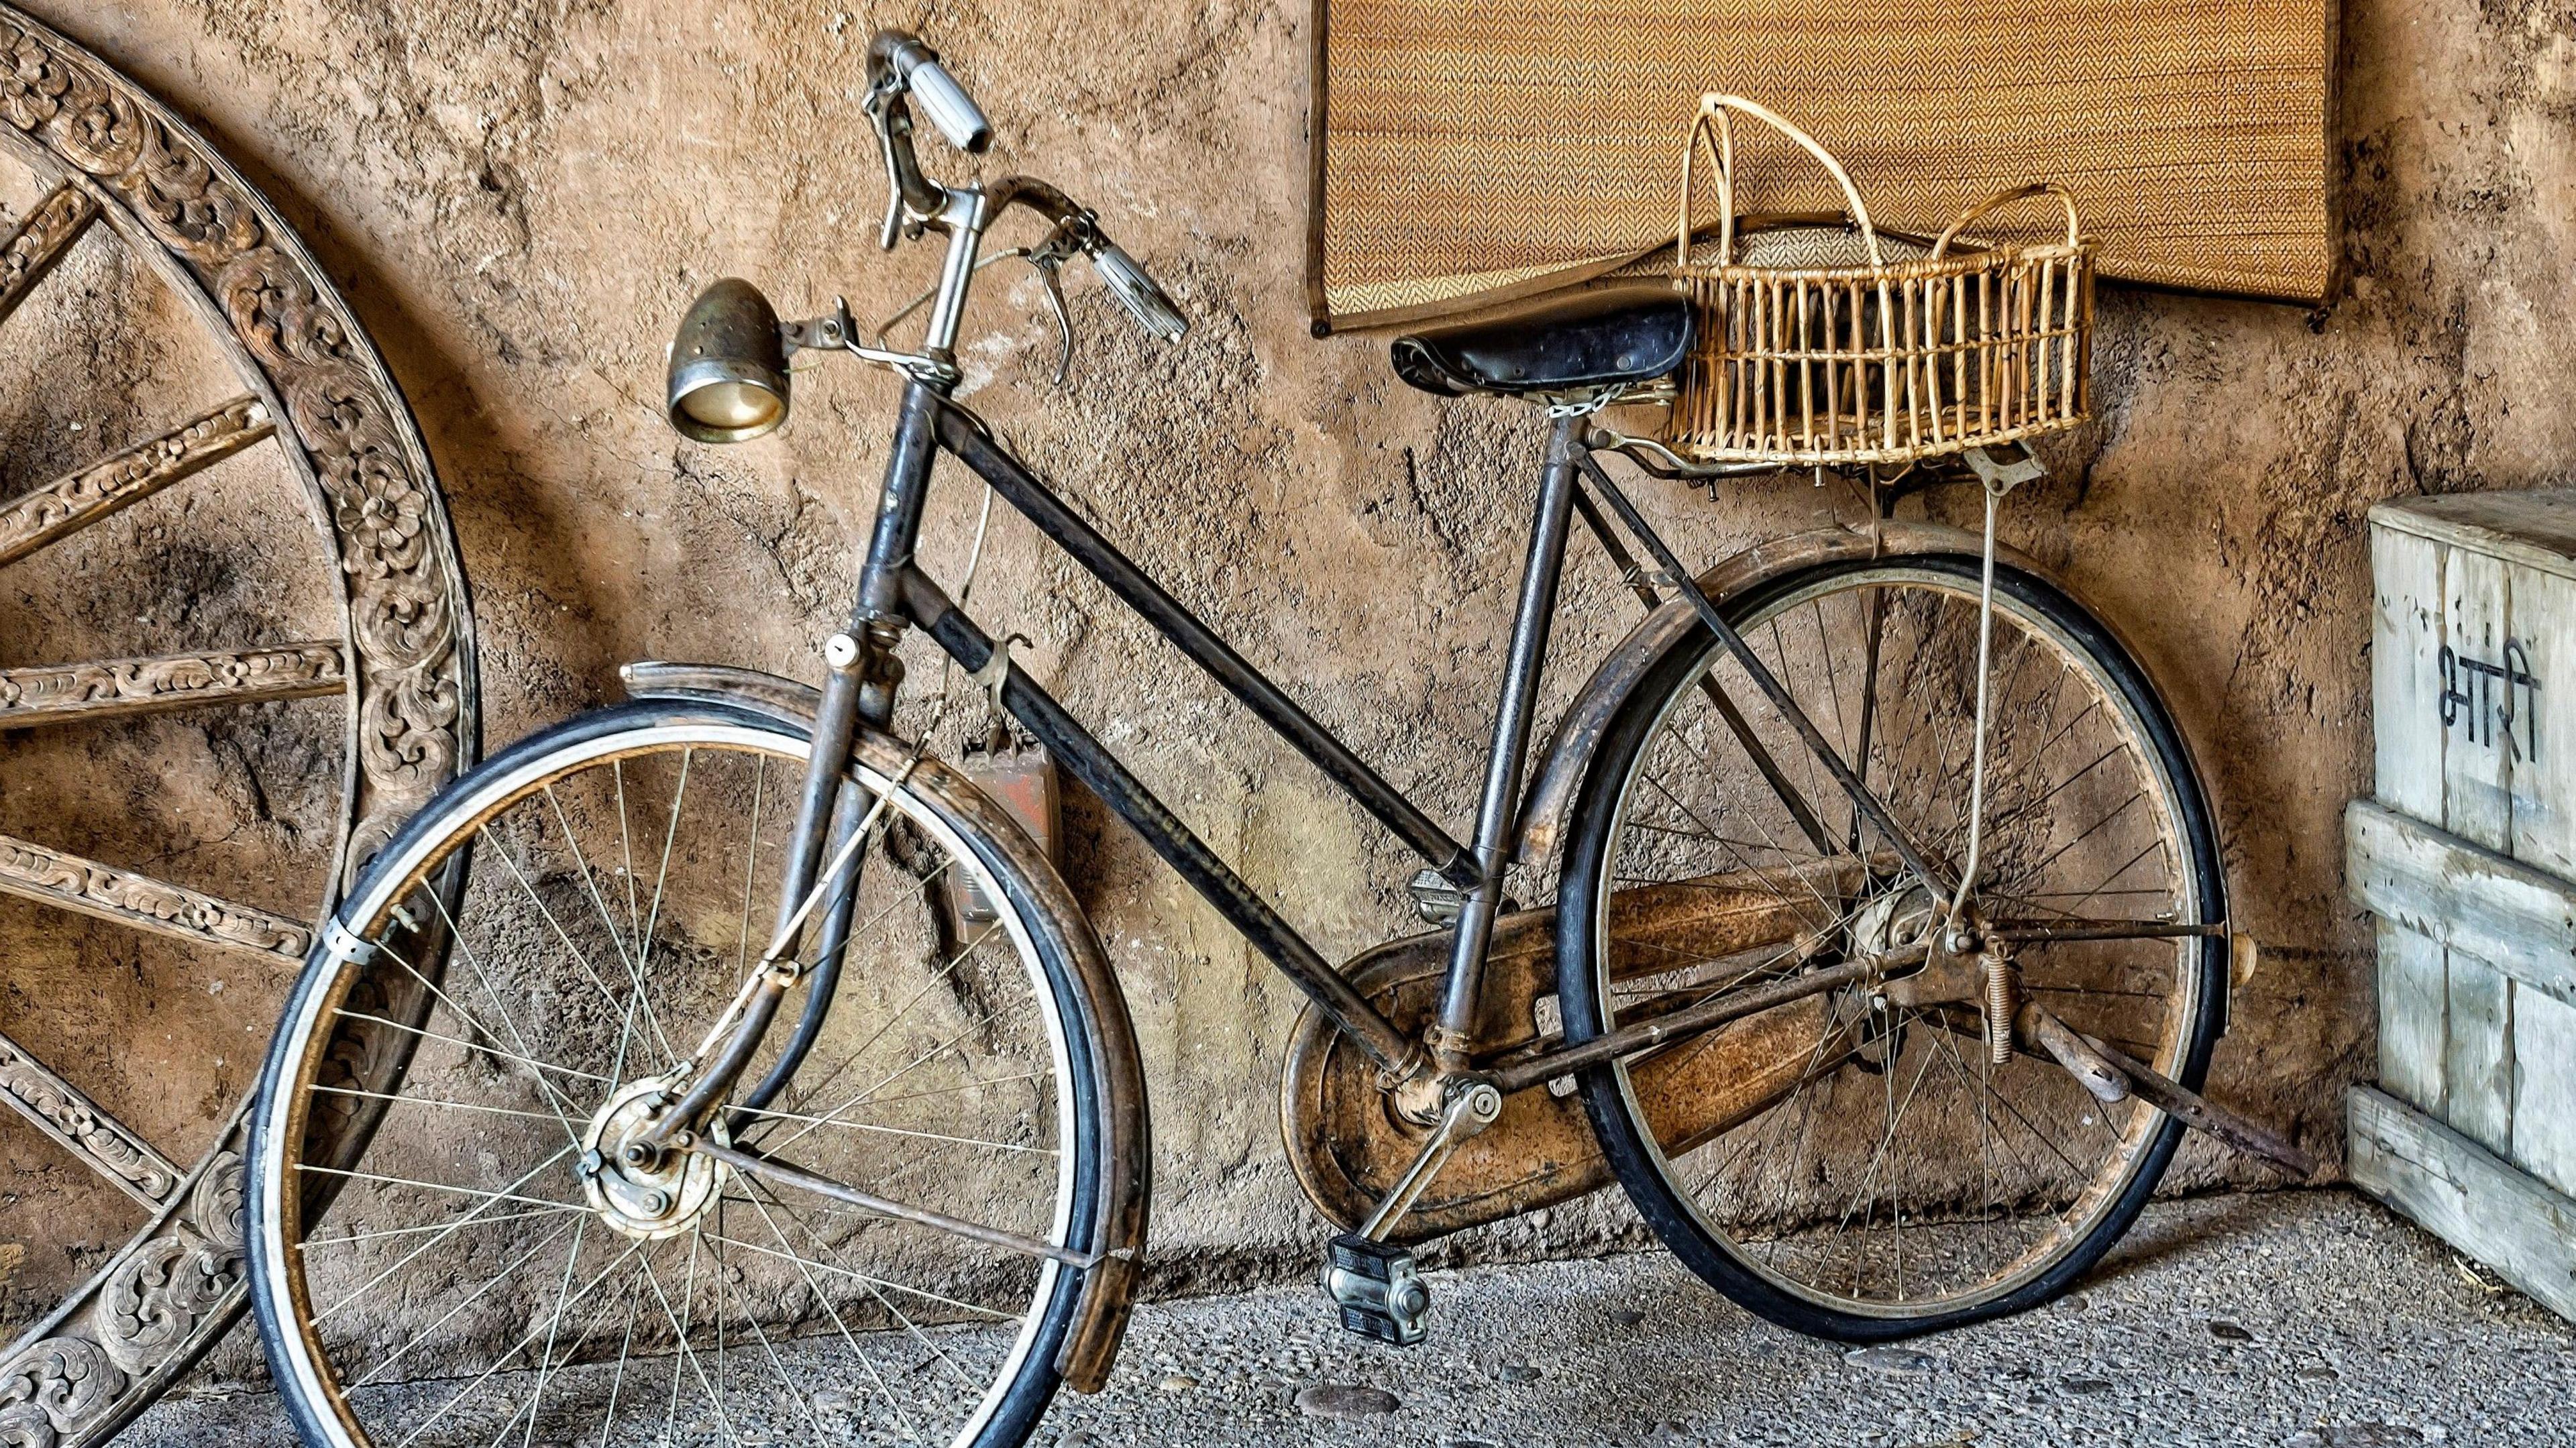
2467	854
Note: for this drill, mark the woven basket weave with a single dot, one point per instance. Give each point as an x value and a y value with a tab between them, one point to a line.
1816	346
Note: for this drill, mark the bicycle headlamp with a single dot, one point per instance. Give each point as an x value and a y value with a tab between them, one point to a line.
728	366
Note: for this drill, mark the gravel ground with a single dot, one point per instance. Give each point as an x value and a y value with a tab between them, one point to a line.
2307	1320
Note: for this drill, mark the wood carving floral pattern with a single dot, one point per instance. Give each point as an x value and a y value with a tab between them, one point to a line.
29	521
47	230
128	683
142	901
68	1113
55	1390
338	408
62	1389
319	389
153	1302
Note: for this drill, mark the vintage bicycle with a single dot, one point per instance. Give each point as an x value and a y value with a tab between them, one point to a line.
776	1087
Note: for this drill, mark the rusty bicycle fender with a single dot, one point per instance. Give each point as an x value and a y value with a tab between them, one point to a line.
1119	1218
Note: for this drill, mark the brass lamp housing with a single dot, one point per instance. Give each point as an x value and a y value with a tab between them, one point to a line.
728	366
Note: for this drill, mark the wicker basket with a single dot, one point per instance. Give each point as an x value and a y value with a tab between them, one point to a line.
1850	355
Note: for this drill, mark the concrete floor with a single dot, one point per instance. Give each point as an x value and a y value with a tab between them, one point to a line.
2306	1320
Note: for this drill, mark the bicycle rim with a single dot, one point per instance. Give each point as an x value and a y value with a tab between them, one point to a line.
497	1286
1882	1175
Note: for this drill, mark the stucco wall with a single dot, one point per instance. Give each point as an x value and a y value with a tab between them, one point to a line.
520	198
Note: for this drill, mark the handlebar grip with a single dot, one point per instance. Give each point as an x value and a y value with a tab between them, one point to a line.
898	57
949	107
1147	302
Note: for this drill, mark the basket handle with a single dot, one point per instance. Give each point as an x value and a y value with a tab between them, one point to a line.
1713	116
2005	197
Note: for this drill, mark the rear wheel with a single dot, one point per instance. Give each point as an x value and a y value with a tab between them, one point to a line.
1880	1177
491	1272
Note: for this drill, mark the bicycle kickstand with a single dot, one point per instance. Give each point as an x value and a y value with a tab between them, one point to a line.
1373	1281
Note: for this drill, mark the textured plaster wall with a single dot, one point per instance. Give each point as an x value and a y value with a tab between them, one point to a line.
520	198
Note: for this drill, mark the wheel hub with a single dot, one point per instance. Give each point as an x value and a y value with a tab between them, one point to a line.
1895	920
645	1192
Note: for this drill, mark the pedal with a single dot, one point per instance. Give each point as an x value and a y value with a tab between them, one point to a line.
1379	1293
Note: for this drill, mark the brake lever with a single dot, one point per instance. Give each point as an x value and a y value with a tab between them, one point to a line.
1050	272
892	231
906	210
1047	258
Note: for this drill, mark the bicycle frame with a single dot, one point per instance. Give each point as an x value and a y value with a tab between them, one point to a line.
894	594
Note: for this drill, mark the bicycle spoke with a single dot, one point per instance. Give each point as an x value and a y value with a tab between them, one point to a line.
662	875
945	1070
1901	1191
385	1365
433	1103
506	1194
377	1233
589	972
483	1047
872	1281
514	1350
909	1326
938	1136
590	885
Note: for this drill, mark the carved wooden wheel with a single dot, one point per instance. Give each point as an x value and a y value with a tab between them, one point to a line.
234	655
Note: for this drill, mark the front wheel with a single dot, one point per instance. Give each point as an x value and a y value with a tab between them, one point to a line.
1867	1171
492	1273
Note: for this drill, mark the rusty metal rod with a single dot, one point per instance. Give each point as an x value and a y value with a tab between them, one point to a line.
1707	1015
2030	932
2190	1107
779	1171
1790	796
1917	858
2036	1027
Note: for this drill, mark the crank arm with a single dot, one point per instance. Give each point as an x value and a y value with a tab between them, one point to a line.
2112	1076
1472	1107
754	1164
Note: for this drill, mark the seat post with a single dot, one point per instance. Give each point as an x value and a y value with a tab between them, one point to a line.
1451	1040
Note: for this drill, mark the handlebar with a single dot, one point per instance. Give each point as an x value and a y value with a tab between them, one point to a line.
902	61
1147	302
1127	280
901	66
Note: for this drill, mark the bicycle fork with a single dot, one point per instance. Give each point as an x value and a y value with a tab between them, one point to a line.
862	675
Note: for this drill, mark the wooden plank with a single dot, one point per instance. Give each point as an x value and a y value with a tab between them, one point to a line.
2519	920
2414	1015
41	241
68	504
2544	1107
69	882
62	693
2532	529
80	1126
2477	771
2464	1195
2405	681
2544	724
2477	1052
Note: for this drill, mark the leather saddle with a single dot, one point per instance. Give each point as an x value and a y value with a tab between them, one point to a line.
1574	346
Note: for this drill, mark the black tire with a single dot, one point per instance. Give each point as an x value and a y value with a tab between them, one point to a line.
1586	886
1053	926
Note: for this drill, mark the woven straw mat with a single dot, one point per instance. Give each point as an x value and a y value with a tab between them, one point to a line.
1470	151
